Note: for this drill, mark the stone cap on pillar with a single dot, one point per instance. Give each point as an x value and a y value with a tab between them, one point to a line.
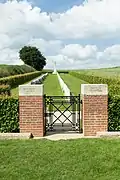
31	90
94	89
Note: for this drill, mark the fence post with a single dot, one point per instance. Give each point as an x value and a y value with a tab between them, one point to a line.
31	109
94	108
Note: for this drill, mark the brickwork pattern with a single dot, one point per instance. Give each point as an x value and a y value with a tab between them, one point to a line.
95	114
31	115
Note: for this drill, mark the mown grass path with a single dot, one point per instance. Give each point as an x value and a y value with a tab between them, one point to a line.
73	83
52	86
81	159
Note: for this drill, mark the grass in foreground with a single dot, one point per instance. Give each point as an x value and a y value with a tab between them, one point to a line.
52	86
84	159
73	83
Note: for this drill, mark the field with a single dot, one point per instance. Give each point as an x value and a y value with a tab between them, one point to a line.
9	70
51	86
84	159
109	72
73	83
15	91
81	159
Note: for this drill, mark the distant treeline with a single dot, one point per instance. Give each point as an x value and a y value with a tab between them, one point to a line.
51	71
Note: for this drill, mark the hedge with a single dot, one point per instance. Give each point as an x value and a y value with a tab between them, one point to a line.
93	79
113	83
10	70
5	90
16	80
114	113
9	119
113	98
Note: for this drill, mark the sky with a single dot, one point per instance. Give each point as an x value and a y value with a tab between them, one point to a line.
77	34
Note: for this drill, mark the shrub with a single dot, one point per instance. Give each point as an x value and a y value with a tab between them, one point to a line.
9	119
16	80
114	113
113	83
113	98
5	90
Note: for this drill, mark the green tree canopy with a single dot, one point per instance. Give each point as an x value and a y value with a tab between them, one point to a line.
32	57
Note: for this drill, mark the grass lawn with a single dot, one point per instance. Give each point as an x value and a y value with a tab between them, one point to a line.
73	83
15	91
83	159
107	72
52	86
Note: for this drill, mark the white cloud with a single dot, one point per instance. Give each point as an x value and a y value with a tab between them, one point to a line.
78	52
21	24
47	47
94	19
75	56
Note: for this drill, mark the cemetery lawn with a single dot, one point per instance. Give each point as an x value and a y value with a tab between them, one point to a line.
52	86
81	159
15	91
73	83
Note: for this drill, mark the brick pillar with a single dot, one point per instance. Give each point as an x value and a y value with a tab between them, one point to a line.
95	108
31	117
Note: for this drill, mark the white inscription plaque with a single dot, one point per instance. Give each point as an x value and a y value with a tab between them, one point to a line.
94	89
31	90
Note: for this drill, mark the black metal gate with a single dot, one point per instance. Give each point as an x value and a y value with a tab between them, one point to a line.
62	113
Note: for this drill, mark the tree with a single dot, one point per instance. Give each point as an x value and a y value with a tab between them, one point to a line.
32	57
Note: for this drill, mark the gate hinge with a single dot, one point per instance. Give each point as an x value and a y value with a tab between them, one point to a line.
81	102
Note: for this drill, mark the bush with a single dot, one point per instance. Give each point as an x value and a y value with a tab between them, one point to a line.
113	83
16	80
5	90
9	119
113	100
10	70
114	113
93	79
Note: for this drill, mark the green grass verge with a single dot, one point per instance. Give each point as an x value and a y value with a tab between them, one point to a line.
52	86
15	91
73	83
83	159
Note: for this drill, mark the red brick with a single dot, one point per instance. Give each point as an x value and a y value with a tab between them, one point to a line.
31	115
94	114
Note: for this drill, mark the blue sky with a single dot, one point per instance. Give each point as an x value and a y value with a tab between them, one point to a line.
56	5
86	35
59	6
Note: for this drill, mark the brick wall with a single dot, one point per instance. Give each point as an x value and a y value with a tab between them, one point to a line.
31	115
94	113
